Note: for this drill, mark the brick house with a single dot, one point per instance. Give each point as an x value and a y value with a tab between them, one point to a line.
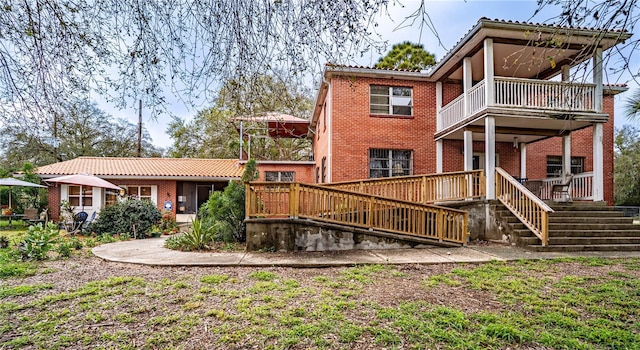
507	89
181	184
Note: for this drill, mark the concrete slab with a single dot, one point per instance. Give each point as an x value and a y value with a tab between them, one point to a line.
465	254
152	252
311	259
409	256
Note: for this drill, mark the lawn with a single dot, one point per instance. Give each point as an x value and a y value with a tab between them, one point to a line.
84	302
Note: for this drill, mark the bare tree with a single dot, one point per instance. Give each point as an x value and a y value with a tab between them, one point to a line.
51	50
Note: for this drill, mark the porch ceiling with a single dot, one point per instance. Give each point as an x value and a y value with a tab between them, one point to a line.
526	128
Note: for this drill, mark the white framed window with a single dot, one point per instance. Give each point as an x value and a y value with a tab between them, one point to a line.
110	196
554	165
80	196
279	176
142	192
394	100
390	162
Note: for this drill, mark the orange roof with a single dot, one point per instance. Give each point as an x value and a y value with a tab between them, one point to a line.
175	168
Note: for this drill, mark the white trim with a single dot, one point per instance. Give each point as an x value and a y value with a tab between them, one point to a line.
439	156
566	155
490	156
489	76
468	150
523	160
467	81
597	78
598	162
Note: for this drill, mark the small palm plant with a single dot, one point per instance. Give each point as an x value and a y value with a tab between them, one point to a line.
198	237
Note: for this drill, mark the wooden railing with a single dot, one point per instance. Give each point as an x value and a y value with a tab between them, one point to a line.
421	188
452	113
326	204
544	94
524	93
477	99
529	209
581	187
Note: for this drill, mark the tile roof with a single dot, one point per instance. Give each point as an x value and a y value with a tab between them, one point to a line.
347	66
146	167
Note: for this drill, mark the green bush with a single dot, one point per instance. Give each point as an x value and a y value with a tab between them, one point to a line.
224	212
198	237
133	217
38	242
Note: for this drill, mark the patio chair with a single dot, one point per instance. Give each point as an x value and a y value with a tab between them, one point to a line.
563	187
43	218
78	221
86	224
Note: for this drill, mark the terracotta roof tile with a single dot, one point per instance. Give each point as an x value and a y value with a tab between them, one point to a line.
346	66
146	167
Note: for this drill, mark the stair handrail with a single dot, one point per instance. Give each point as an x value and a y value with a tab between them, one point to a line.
526	206
325	204
425	188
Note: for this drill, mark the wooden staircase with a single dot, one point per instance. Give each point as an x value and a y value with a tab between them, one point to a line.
579	226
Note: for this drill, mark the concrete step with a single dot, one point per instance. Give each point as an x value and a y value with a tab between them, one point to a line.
562	241
591	226
584	248
587	213
594	233
594	220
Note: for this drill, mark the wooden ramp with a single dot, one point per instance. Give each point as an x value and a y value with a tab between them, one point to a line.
377	213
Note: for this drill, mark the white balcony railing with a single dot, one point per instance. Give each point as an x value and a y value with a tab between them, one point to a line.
522	93
581	187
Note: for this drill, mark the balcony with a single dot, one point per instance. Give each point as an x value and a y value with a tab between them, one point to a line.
550	99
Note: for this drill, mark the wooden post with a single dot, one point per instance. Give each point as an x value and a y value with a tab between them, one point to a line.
440	224
545	228
247	201
371	210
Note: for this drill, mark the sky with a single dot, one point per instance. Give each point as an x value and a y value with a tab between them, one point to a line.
451	19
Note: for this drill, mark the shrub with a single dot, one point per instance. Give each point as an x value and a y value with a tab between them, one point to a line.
198	237
133	217
4	242
225	211
38	242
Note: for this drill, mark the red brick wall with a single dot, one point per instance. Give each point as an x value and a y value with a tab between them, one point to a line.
303	172
321	140
355	130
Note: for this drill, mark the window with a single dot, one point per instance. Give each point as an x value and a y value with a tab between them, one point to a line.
279	176
389	162
324	169
80	196
139	192
110	197
554	165
395	100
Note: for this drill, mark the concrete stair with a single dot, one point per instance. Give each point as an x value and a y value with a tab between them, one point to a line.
578	226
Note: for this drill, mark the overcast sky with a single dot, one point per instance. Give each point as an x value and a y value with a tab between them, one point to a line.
451	19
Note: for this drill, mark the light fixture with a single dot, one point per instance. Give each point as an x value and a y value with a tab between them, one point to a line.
515	142
122	192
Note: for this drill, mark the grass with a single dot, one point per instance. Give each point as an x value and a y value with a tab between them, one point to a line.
565	303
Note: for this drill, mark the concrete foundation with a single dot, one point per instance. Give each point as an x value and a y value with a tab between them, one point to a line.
304	235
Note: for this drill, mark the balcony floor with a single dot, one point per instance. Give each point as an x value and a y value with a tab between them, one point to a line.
527	124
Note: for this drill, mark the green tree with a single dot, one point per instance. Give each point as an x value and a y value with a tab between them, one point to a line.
407	55
632	106
627	166
211	133
83	130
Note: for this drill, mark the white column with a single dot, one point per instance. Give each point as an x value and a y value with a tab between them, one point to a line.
468	150
566	155
439	156
490	156
597	78
598	162
523	160
467	81
438	105
490	86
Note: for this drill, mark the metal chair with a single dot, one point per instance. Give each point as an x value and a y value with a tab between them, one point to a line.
78	221
86	224
563	187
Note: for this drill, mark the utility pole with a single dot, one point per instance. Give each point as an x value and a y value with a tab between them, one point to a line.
140	129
